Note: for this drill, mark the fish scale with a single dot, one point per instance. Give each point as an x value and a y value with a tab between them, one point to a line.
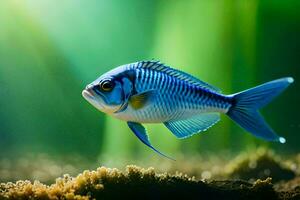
174	104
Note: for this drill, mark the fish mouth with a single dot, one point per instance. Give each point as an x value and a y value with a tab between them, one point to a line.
87	94
92	99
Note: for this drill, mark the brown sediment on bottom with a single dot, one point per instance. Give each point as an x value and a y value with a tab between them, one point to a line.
136	182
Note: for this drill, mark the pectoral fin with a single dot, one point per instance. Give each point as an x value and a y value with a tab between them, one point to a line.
142	99
140	131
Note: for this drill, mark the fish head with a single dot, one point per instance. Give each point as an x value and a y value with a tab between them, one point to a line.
110	92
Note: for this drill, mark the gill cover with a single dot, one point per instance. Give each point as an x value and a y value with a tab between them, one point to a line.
127	88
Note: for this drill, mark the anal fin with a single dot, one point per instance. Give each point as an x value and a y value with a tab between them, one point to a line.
188	127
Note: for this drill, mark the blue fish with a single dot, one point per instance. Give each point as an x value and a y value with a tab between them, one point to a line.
151	92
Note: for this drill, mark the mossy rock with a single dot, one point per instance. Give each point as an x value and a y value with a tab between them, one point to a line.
260	165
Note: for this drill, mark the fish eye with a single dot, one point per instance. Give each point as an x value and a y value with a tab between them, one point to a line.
106	85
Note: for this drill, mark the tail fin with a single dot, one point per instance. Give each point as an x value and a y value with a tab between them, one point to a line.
246	104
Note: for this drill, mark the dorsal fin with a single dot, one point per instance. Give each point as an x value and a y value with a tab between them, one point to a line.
158	66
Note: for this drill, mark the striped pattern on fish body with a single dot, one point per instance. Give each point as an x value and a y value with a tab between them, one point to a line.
176	98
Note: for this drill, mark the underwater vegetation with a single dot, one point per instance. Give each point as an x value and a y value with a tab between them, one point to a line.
261	175
135	182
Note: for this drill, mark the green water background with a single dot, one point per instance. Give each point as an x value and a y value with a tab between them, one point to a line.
49	51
